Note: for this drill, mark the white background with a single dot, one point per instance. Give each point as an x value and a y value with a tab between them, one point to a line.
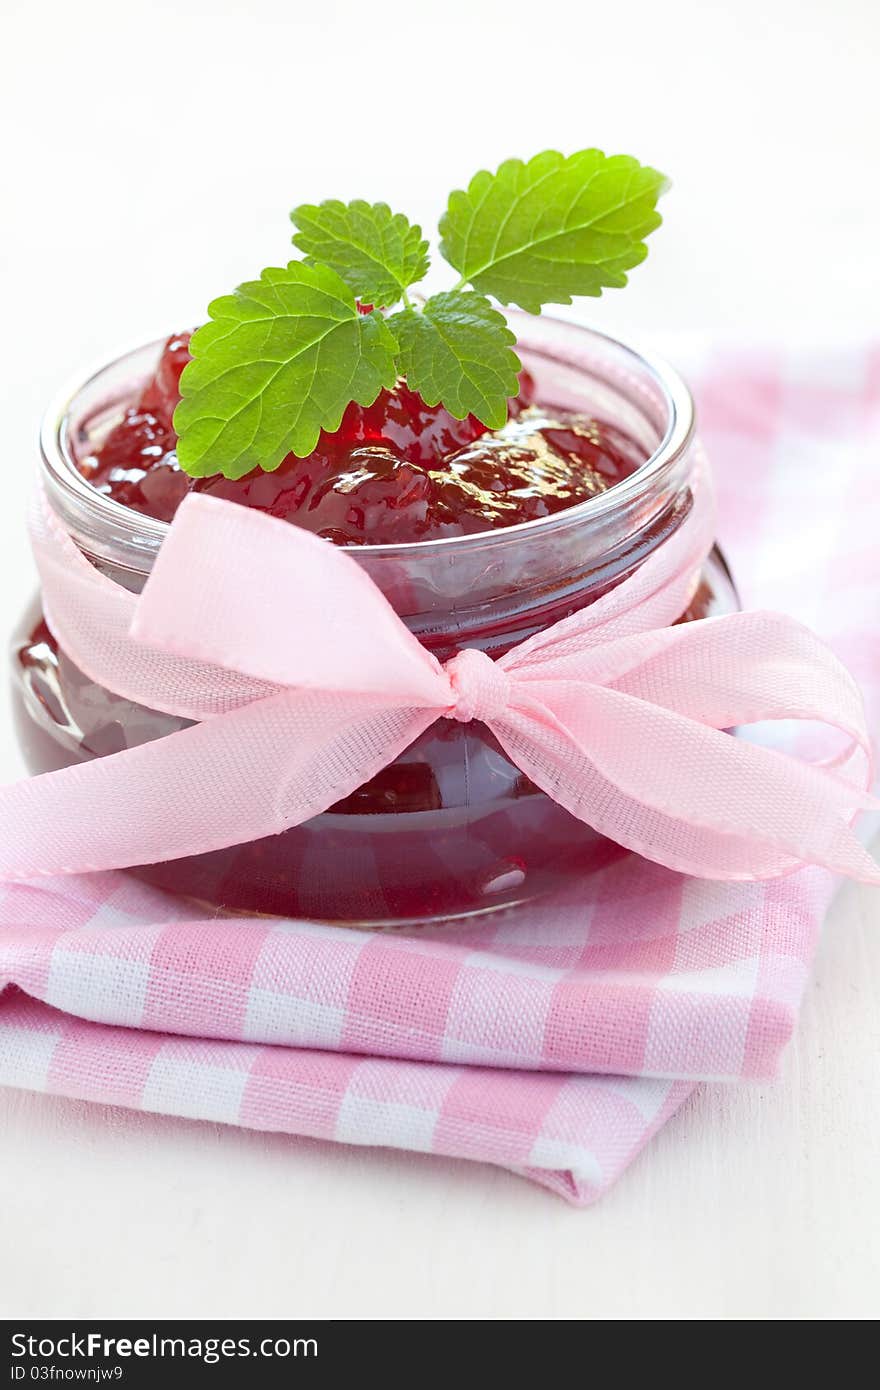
152	151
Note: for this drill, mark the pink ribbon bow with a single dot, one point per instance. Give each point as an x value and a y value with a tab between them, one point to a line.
306	683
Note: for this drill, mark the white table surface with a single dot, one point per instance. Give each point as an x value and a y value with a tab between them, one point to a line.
153	150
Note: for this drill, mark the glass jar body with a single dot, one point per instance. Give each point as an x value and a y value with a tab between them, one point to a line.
452	827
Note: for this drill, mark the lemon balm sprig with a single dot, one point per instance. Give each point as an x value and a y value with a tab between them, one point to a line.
283	356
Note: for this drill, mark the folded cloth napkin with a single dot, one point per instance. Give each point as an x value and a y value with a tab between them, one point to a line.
554	1039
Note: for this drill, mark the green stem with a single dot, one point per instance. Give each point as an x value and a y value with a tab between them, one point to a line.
407	302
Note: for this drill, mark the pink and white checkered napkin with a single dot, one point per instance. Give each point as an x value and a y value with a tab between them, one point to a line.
555	1040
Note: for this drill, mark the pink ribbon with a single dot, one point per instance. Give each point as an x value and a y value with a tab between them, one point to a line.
306	683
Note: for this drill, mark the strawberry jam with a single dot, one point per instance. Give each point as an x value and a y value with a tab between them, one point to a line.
452	826
395	471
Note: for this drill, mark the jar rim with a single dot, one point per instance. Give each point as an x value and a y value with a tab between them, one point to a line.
75	494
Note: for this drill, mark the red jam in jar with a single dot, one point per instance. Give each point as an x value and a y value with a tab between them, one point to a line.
478	538
395	471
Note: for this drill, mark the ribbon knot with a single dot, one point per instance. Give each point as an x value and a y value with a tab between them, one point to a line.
480	687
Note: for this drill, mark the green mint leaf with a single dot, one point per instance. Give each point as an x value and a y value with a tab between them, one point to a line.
457	350
540	232
379	254
278	362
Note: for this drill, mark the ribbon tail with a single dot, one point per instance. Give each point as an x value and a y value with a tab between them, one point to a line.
235	778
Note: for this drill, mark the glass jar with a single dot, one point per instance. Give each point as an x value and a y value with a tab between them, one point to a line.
452	827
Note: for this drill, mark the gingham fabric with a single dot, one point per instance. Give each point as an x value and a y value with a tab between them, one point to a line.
553	1040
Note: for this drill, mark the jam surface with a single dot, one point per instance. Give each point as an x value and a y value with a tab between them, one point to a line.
395	471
